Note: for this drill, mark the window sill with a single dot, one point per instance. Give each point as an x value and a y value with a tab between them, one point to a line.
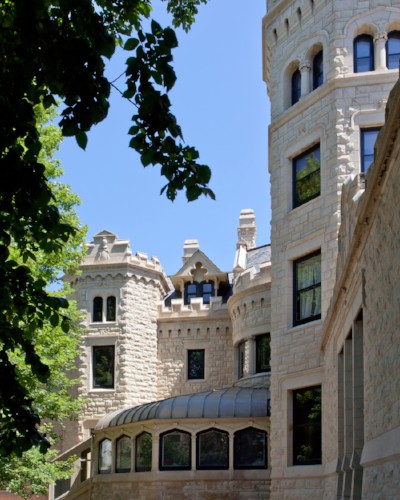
295	328
100	390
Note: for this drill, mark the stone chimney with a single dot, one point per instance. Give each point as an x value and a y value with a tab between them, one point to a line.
247	230
189	248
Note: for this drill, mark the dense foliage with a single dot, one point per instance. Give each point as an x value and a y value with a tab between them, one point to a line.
56	49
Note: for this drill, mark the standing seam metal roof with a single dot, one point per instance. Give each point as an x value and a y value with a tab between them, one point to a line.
244	402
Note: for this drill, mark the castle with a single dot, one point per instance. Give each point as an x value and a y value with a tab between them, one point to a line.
280	378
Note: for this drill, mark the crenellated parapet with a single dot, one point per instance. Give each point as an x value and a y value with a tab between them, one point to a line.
196	308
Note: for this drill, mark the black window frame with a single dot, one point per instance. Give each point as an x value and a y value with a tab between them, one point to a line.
95	350
117	441
111	308
143	468
308	154
241	358
190	353
367	158
295	86
100	454
162	467
358	60
239	452
318	70
259	361
197	289
392	35
307	429
198	450
97	312
297	319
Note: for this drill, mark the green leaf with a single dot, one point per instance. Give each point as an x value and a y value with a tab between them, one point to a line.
81	139
131	44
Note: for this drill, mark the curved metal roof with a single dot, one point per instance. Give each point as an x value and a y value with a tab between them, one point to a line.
240	402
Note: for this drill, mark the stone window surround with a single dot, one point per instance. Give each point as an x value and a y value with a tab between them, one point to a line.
305	142
174	426
192	345
297	291
91	342
104	294
286	386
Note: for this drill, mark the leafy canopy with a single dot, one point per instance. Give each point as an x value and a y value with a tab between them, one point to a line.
56	50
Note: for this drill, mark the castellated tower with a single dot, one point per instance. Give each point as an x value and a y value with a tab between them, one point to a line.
119	293
329	66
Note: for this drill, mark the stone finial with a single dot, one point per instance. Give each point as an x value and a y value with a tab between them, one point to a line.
189	248
247	230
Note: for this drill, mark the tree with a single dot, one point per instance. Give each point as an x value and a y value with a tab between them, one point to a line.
30	473
55	50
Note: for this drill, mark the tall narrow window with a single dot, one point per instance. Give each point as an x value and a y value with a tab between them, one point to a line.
241	356
250	449
190	292
175	450
195	364
212	449
307	426
103	367
97	309
105	456
263	353
393	50
143	452
368	139
363	54
123	454
318	70
296	86
307	288
111	307
306	176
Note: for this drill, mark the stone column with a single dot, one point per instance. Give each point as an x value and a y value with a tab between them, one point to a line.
251	350
305	70
380	39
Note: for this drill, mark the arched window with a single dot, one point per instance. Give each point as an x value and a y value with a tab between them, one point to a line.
175	450
123	454
296	86
111	307
363	53
250	449
212	449
318	70
143	452
393	50
105	456
97	309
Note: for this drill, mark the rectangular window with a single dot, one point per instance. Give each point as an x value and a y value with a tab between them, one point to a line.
263	353
307	426
307	288
103	366
195	364
306	176
368	139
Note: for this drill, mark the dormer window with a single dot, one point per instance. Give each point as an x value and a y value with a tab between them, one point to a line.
204	289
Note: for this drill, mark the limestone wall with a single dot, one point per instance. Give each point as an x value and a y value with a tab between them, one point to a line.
176	337
332	116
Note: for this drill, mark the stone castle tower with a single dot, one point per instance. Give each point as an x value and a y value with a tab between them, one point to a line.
329	66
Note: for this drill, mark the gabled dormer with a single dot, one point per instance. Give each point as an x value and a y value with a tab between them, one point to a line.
199	277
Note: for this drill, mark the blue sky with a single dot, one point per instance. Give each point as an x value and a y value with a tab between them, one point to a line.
221	103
